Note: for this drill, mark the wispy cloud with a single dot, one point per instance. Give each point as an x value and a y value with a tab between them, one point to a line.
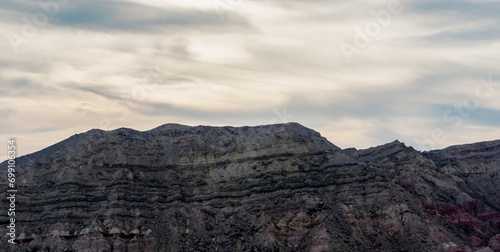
141	64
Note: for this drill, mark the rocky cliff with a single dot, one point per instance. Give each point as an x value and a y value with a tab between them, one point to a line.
266	188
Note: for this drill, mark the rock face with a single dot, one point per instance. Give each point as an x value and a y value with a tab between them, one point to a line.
267	188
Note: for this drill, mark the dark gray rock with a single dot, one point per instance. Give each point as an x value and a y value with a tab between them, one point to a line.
265	188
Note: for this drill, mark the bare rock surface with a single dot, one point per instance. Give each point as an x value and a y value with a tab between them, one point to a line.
266	188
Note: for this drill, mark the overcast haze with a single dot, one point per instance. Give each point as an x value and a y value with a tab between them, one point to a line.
362	73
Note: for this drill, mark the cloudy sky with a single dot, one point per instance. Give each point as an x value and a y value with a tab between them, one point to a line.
360	72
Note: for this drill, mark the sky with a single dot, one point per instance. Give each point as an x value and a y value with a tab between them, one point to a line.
362	73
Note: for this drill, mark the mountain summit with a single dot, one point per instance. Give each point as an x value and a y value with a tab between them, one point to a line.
277	187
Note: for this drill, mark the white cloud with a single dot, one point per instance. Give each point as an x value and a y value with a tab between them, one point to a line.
84	67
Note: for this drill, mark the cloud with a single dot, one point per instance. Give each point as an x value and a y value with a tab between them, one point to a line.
134	17
141	64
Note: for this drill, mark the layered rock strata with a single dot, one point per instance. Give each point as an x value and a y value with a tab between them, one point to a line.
266	188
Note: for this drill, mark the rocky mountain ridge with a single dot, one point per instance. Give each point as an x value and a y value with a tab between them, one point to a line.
266	188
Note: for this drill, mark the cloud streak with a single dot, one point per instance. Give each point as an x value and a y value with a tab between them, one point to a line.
140	65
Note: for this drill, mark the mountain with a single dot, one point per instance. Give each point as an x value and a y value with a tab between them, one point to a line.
266	188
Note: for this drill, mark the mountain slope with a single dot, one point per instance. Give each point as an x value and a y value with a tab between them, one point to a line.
266	188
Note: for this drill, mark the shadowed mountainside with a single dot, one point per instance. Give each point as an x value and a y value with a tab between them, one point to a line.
267	188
